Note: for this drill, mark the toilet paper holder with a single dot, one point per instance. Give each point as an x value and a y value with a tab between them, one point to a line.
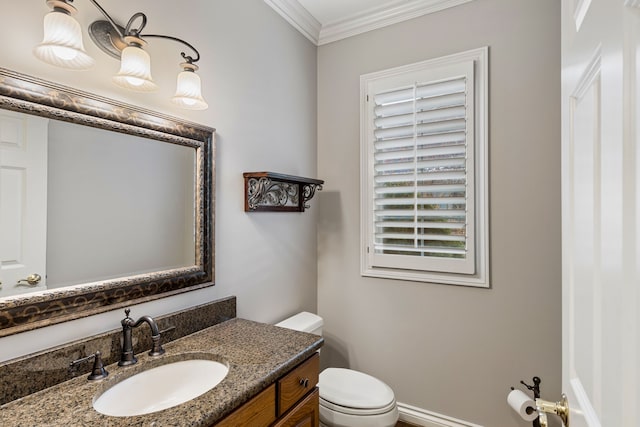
544	407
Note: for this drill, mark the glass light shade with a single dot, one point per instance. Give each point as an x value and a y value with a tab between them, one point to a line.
135	70
188	92
62	43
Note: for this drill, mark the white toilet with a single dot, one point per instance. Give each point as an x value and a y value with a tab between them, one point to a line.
348	398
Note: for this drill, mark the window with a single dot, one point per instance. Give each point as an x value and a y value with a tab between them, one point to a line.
424	171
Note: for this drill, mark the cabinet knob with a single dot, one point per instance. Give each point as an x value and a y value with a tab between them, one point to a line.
304	382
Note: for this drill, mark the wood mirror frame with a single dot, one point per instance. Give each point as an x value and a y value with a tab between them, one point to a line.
19	92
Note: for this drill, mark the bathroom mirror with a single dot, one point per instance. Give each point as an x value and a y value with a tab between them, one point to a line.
130	211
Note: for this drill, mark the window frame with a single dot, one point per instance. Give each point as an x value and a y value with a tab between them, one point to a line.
478	275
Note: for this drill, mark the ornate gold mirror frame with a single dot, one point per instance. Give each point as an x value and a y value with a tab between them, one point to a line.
30	95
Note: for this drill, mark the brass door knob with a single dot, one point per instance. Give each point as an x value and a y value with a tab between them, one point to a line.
560	408
31	280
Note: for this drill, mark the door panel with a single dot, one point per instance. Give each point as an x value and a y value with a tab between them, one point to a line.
23	201
585	286
600	200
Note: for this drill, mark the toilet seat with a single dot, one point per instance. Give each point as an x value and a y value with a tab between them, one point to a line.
355	393
335	416
356	411
330	418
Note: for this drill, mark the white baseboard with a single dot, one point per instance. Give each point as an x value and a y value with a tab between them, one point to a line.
422	417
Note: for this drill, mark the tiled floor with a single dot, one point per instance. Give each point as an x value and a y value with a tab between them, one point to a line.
403	424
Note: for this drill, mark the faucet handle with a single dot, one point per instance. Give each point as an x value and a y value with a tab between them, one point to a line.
98	371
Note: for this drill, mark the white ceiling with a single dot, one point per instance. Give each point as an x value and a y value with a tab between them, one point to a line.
325	21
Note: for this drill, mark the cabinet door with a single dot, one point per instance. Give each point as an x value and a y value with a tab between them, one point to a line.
304	414
258	412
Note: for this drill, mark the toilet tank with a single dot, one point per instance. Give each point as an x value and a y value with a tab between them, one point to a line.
304	322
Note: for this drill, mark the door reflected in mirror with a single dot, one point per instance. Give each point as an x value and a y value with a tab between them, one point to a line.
108	205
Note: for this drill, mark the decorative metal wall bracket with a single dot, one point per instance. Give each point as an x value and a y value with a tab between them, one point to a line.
275	192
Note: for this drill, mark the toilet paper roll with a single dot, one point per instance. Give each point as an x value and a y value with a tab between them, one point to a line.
523	405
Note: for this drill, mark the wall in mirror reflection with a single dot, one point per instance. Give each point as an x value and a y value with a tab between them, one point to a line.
116	205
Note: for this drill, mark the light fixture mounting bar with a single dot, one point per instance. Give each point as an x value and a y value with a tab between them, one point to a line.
115	26
107	37
110	37
186	57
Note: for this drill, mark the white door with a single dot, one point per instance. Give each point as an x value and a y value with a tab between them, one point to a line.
601	211
23	201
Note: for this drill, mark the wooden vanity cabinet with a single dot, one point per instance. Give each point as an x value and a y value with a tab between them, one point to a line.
304	414
293	401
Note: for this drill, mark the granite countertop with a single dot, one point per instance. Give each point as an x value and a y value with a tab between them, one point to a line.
257	355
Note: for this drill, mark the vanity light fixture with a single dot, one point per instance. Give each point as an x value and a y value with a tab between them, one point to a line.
62	43
62	46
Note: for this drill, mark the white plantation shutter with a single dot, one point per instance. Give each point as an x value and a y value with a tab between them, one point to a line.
420	204
423	174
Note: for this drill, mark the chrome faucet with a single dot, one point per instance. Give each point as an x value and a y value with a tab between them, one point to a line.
127	357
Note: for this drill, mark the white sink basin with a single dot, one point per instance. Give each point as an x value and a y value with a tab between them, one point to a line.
161	387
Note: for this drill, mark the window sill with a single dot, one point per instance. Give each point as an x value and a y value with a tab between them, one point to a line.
476	281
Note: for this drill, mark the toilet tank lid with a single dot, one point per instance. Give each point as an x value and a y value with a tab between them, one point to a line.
304	322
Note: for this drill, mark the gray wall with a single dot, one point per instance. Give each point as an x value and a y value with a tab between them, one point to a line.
117	205
453	350
259	77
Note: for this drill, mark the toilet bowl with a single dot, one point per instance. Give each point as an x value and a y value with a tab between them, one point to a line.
348	398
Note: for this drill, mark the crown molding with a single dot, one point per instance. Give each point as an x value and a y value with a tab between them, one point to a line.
298	17
375	18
